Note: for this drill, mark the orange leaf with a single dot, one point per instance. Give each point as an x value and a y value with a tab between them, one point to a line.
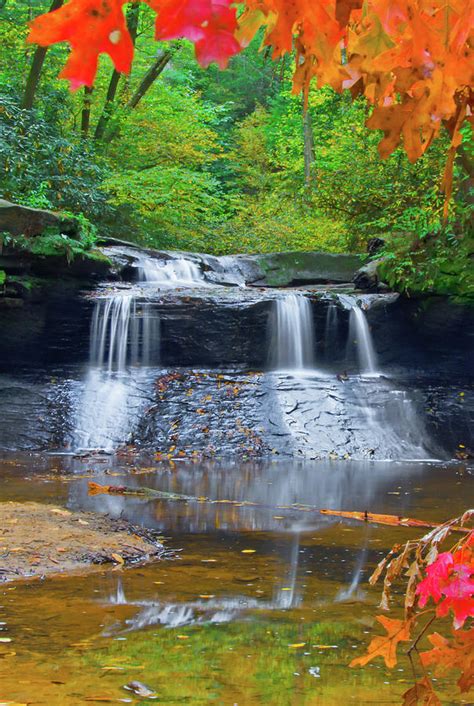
457	653
421	694
91	28
386	646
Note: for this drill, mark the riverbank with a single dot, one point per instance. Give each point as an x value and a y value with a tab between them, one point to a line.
37	540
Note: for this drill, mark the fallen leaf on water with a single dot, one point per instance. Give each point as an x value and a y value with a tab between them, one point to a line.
140	689
248	551
204	595
297	644
119	559
182	637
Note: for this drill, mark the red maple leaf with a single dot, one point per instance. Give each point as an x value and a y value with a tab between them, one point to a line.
91	28
450	578
210	24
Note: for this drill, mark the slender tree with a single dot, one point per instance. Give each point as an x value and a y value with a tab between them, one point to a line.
109	105
158	66
36	68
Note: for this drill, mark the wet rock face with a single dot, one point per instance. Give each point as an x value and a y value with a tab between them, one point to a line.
283	415
30	415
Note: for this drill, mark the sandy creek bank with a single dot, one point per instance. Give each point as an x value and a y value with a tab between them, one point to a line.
38	539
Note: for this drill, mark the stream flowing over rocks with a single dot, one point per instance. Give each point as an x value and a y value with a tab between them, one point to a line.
278	355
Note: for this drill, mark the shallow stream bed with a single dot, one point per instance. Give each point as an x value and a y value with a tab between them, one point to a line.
266	603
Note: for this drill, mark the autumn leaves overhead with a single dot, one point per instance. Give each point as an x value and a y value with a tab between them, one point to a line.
412	59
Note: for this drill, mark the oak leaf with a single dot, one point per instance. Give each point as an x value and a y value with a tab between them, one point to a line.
421	694
386	646
457	653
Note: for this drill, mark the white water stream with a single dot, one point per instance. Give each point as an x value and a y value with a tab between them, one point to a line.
171	273
124	341
360	336
292	338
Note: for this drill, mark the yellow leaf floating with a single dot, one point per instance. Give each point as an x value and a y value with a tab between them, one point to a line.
248	551
296	645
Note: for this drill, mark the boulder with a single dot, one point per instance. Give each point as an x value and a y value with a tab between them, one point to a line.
367	277
299	268
23	220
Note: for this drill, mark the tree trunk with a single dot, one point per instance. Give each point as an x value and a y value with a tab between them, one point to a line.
149	78
36	68
107	112
86	111
309	155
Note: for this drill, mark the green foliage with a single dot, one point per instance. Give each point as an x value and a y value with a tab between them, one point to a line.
215	161
51	244
43	167
441	263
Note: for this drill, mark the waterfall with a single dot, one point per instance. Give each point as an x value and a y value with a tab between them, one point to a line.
172	272
124	333
331	331
292	339
359	334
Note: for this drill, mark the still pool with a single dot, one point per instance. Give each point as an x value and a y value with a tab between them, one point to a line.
263	603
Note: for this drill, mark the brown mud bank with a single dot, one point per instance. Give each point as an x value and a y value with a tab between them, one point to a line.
38	540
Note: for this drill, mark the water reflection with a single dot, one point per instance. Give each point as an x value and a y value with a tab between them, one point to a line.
282	497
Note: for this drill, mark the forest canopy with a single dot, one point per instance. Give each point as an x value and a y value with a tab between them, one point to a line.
271	154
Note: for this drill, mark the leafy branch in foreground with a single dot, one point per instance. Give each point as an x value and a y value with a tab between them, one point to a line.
445	579
411	59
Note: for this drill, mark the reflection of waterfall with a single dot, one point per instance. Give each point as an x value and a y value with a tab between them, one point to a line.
171	272
123	333
292	334
359	335
352	591
287	595
349	485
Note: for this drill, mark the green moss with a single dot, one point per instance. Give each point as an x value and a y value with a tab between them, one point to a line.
3	277
98	256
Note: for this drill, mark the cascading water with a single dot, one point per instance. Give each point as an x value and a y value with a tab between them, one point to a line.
331	331
124	333
360	336
292	341
173	272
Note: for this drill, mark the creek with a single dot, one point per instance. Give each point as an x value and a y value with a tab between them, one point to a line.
264	405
